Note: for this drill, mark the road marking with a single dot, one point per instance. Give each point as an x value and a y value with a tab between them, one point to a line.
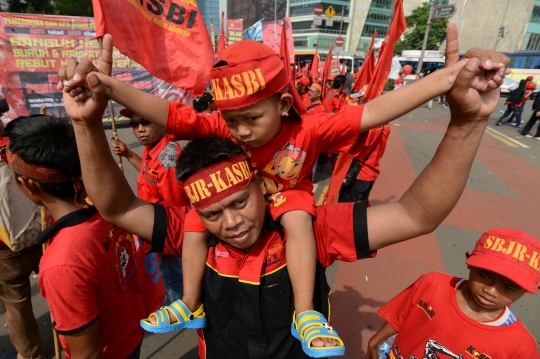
504	139
315	186
322	197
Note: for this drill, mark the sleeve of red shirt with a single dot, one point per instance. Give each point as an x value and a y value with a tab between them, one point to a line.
339	131
396	311
71	293
345	239
328	104
168	231
184	123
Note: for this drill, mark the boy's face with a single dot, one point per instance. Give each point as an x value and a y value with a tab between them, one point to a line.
490	291
257	124
147	133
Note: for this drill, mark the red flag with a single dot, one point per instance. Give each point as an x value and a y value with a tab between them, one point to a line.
284	54
344	67
315	66
171	41
368	68
384	64
221	41
327	69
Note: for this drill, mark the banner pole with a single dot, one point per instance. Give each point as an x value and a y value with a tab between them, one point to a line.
111	110
44	225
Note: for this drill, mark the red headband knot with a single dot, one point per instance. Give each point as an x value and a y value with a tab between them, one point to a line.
218	181
43	174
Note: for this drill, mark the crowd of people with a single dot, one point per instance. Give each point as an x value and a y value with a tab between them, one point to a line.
223	236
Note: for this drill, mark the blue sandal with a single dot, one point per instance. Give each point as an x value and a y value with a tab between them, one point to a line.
185	318
310	325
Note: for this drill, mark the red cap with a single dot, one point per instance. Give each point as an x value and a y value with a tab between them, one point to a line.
529	78
303	81
253	72
510	253
126	112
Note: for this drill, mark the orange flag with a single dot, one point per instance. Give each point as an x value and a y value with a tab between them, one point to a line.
368	68
384	64
221	41
298	104
171	41
315	66
327	70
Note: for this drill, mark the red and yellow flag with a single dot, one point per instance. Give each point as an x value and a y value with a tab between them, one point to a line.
169	39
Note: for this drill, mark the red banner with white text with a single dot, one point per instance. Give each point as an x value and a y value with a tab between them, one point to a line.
32	49
235	29
169	38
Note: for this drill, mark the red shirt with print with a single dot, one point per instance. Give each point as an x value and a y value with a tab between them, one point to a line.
430	323
89	272
288	159
305	99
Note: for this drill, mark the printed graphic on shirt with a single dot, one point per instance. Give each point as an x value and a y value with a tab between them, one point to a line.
432	351
287	165
276	199
426	308
126	266
167	156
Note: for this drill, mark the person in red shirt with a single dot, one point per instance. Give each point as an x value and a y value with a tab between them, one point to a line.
262	119
337	98
407	69
530	86
369	169
400	81
156	183
428	314
89	273
316	105
204	104
302	86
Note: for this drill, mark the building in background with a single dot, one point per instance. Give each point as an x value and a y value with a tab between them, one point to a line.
518	19
210	10
252	11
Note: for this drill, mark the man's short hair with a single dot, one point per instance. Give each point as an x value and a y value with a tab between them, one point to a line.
49	142
339	80
203	153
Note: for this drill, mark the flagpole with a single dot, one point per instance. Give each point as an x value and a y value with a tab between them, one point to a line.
111	110
426	35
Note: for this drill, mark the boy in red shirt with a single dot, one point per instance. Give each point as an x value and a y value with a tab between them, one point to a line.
444	314
256	110
89	274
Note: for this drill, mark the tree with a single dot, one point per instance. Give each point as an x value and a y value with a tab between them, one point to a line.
416	29
74	7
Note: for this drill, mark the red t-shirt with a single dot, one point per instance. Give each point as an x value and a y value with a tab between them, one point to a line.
334	102
376	143
407	69
288	159
316	108
399	81
89	272
429	321
157	181
305	99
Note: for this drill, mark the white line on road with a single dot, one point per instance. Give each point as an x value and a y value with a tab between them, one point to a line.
315	186
508	138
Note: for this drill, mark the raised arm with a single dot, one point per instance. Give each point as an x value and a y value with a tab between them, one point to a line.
104	182
437	189
378	112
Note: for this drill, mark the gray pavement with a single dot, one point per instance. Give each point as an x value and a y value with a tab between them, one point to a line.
420	131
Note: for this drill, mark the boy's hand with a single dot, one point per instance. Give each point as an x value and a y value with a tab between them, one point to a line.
372	350
119	147
84	95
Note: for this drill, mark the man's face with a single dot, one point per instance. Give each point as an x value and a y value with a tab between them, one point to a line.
300	88
329	84
239	218
147	133
314	94
490	291
257	124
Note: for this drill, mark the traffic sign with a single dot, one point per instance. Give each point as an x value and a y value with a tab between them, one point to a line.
329	22
330	12
318	9
317	20
443	11
339	42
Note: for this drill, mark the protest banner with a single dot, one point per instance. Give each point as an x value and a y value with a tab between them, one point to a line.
32	49
271	33
169	38
235	28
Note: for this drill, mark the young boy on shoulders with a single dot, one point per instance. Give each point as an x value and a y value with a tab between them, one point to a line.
442	314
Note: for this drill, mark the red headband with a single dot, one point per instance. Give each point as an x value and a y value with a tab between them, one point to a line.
43	174
218	181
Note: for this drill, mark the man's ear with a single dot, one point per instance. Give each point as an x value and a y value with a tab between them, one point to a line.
260	181
285	103
29	185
